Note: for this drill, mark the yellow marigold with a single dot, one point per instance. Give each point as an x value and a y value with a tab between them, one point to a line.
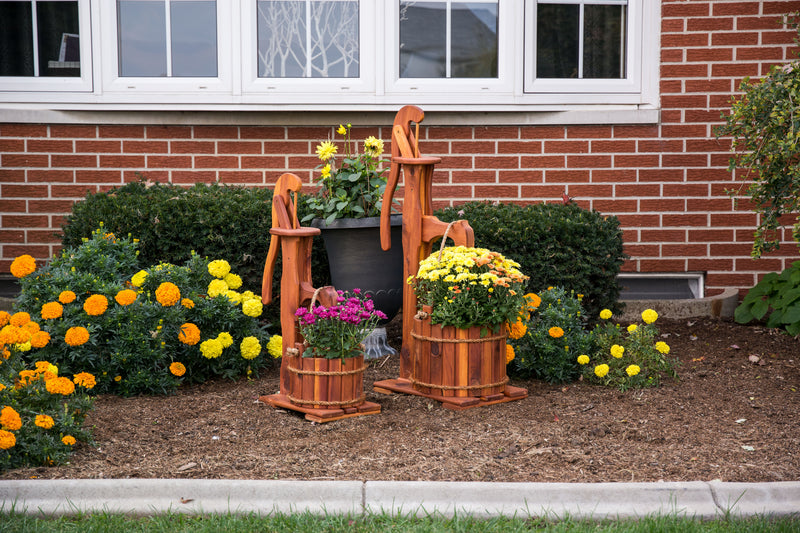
117	378
649	316
7	440
177	369
60	385
20	319
95	305
516	330
233	297
219	268
125	297
85	380
211	348
138	279
617	351
583	359
168	294
52	310
632	328
250	347
509	353
76	336
632	370
69	440
44	421
225	338
234	281
66	297
252	308
326	149
275	346
10	419
217	287
601	370
189	334
605	314
662	347
5	317
555	332
187	303
22	266
24	347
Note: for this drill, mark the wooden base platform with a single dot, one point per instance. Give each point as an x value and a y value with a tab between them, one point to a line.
388	386
322	415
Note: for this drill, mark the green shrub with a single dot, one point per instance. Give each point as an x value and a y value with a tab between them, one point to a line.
555	244
553	338
779	293
133	320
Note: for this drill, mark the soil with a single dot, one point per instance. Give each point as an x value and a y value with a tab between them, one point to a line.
730	416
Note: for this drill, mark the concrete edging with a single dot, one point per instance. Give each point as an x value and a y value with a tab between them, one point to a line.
722	305
695	499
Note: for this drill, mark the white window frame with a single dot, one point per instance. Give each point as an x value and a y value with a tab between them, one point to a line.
198	89
59	83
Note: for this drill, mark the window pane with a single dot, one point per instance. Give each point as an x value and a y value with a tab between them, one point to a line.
16	39
59	43
604	41
142	38
423	39
193	27
557	41
308	39
474	43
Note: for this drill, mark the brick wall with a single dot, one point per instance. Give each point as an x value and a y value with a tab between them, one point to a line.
666	182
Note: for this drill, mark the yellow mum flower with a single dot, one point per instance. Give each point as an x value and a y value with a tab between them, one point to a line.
601	370
250	347
22	266
632	370
325	171
95	305
10	419
662	347
649	316
617	351
138	279
168	294
275	346
125	297
177	369
605	314
52	310
252	308
7	440
66	297
69	440
234	281
44	421
583	359
555	332
211	348
325	150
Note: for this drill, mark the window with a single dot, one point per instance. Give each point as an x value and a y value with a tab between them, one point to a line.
332	54
40	45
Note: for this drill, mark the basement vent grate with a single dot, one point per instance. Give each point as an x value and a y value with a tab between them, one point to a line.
663	286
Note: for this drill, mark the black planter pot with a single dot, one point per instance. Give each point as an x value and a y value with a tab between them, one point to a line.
357	260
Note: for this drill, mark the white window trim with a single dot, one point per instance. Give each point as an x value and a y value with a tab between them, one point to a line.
60	84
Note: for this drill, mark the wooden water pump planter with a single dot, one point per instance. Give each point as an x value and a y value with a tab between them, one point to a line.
323	389
454	366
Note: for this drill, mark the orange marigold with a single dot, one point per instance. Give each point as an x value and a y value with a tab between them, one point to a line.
555	332
20	319
14	335
125	297
44	421
10	419
85	380
76	336
5	317
177	369
31	327
52	310
187	303
509	353
40	339
516	330
189	334
95	305
23	266
60	386
7	440
66	297
533	300
168	294
69	440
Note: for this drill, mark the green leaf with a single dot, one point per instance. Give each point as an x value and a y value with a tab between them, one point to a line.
759	309
743	313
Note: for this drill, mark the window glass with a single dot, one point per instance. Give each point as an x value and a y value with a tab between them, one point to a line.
50	47
308	39
425	50
194	38
604	41
557	41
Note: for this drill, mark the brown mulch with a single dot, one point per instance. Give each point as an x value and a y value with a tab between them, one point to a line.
727	418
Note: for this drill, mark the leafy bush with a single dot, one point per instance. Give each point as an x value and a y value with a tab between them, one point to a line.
548	343
141	332
778	292
630	358
41	409
555	244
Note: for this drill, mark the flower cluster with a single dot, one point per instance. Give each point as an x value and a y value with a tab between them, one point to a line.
628	357
470	287
338	331
355	188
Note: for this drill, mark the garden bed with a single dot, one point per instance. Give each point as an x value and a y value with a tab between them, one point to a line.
731	416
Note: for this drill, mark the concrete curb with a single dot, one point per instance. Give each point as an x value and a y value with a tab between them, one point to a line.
696	499
722	305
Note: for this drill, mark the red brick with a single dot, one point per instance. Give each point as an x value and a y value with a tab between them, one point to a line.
683	71
660	145
637	190
122	161
457	191
709	86
566	147
168	132
615	206
216	132
298	147
25	221
708	145
49	206
23	191
455	162
694	55
542	191
23	130
12	206
708	174
496	191
709	24
519	147
192	147
684	130
239	147
778	37
671	116
474	147
12	145
616	175
71	191
684	160
685	190
11	174
662	265
671	86
672	25
566	176
781	7
482	176
684	40
661	174
24	160
588	132
449	132
227	161
169	161
578	191
711	235
496	162
639	160
684	250
728	70
145	147
543	161
98	176
73	130
123	131
662	235
262	132
637	250
37	251
708	205
9	236
278	162
685	9
638	220
542	132
511	176
109	147
733	219
588	161
660	205
690	219
43	237
768	22
761	53
720	159
736	38
49	175
74	161
613	146
635	131
728	249
248	177
194	176
684	100
735	8
707	265
497	132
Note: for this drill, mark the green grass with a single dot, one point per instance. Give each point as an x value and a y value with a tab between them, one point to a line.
306	522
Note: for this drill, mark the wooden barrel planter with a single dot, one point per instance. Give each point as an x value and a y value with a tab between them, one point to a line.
455	362
320	383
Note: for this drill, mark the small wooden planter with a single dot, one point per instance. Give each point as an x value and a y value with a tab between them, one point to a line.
324	389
